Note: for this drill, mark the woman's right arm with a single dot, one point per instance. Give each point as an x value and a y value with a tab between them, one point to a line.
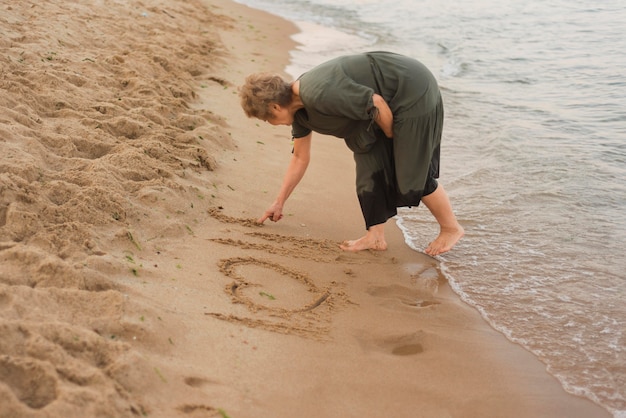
384	117
295	171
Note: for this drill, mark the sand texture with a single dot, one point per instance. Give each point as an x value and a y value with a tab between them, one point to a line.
133	278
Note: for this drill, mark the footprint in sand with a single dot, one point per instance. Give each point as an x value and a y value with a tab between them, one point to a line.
197	382
3	221
407	350
404	296
192	409
5	299
32	382
395	345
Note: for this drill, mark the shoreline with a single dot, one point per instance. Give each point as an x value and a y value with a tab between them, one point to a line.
180	305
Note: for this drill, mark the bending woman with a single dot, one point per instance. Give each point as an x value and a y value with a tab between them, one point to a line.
388	109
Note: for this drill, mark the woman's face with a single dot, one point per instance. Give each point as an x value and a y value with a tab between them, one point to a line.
280	116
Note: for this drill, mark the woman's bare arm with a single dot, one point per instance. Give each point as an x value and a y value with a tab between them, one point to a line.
384	118
295	171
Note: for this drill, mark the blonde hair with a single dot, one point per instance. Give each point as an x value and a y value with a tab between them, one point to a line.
262	89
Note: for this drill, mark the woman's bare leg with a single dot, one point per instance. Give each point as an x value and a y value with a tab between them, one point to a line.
374	239
450	231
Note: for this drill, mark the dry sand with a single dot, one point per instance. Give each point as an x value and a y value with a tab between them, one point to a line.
133	281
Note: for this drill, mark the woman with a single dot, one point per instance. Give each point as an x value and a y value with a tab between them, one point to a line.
388	109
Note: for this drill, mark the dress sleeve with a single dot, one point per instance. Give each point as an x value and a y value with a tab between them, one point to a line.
298	130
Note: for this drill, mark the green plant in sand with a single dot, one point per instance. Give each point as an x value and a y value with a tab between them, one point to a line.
267	295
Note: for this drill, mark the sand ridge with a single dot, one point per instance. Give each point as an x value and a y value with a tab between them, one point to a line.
97	134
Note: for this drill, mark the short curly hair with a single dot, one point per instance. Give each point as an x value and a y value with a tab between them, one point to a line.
262	89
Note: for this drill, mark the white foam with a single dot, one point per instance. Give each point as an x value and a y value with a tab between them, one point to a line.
574	389
319	43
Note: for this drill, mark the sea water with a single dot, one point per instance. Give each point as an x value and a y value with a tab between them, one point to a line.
533	158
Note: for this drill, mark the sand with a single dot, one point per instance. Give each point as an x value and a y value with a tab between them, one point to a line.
133	279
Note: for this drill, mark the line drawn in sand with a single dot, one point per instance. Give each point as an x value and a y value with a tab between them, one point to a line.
313	250
301	308
309	317
320	250
216	212
229	268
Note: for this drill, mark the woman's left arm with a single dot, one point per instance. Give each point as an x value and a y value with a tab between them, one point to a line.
384	117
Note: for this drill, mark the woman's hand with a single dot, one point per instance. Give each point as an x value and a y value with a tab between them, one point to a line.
384	119
273	213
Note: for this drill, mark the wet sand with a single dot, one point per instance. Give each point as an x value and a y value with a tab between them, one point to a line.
133	279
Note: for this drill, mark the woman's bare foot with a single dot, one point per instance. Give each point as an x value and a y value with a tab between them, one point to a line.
445	241
374	239
364	243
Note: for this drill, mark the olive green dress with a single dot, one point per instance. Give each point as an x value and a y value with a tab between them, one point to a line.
390	173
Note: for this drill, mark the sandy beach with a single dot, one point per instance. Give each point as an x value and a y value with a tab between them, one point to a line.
133	278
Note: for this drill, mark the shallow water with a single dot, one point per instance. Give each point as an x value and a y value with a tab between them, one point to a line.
533	157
